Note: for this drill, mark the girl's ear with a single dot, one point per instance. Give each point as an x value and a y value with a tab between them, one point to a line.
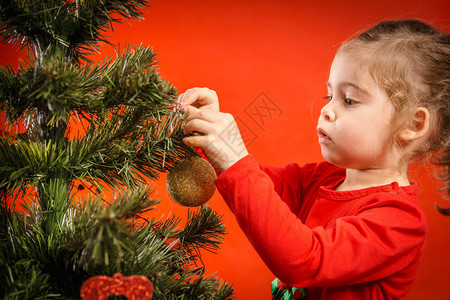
418	127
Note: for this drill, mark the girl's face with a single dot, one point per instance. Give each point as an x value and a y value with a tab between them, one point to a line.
354	126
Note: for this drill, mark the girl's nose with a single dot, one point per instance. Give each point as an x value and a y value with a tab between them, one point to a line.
327	112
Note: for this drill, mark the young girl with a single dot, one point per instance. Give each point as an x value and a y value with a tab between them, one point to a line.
350	227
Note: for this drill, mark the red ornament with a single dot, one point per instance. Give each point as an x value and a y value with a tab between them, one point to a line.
134	287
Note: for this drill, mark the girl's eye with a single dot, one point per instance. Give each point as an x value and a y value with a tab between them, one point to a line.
349	101
328	98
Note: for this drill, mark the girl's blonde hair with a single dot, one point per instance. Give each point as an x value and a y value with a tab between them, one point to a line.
411	61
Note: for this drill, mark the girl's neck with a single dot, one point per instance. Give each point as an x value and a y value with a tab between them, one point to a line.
360	179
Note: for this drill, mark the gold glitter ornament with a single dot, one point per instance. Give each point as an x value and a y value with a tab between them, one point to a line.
191	181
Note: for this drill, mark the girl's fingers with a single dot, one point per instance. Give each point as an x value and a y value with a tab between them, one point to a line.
199	126
196	141
199	97
196	113
219	135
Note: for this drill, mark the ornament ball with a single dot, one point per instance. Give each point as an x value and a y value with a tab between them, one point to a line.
191	181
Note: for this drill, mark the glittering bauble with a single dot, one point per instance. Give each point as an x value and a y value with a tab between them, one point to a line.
191	181
101	287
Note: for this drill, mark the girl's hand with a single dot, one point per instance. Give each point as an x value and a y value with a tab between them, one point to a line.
215	132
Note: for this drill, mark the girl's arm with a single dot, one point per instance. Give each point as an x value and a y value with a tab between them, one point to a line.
382	239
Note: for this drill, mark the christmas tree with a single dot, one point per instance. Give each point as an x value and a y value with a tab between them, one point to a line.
106	127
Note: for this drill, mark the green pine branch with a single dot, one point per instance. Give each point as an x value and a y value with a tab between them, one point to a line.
203	231
136	121
74	28
129	131
56	88
99	239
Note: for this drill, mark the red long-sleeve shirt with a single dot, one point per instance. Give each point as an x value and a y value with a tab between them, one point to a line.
363	244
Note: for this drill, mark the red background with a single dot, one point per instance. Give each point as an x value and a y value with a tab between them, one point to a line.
283	49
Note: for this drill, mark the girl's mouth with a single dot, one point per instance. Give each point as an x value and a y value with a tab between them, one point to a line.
323	136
